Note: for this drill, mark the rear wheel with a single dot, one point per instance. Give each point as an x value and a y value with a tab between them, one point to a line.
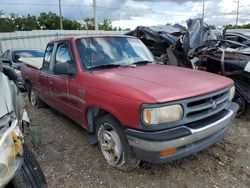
30	175
35	101
114	145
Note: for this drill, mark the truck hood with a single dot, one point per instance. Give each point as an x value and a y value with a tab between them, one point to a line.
160	82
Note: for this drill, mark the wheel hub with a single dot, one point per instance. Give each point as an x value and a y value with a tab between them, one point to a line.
32	98
111	146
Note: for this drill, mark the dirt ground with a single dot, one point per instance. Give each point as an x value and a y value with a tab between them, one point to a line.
68	160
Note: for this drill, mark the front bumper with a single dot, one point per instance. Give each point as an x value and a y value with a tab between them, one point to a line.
187	139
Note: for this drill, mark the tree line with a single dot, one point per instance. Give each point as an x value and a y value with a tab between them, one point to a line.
244	26
48	21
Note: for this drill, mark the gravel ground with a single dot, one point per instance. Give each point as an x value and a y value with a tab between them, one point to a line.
68	160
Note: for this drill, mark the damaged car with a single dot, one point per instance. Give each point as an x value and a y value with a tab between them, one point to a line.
158	38
228	58
241	37
18	166
199	47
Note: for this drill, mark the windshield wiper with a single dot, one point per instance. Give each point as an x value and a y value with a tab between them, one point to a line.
105	66
144	62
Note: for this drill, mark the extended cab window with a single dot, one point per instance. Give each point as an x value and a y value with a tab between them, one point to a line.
47	56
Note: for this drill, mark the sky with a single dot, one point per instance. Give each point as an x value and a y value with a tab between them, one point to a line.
131	13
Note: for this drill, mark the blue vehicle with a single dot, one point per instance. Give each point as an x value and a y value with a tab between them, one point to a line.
11	58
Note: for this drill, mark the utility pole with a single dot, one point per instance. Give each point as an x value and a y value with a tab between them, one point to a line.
237	16
95	15
203	10
60	12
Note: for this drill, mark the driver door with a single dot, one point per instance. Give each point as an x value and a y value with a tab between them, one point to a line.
60	84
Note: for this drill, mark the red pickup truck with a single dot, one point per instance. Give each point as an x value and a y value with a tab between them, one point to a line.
134	107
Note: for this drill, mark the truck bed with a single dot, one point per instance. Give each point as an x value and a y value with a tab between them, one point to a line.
33	62
30	73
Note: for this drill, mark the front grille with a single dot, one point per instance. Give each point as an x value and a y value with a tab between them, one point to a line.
196	109
204	106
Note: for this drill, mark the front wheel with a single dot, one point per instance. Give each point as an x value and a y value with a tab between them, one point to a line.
30	174
114	145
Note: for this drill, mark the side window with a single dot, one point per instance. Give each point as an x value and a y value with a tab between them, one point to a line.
232	37
6	55
241	39
47	56
63	54
64	60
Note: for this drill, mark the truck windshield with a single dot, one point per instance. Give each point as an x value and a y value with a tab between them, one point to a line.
108	52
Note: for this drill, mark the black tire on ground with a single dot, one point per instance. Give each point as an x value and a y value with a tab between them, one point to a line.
127	160
243	105
30	175
35	101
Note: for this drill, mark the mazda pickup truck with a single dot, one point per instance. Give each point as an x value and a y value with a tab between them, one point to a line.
132	106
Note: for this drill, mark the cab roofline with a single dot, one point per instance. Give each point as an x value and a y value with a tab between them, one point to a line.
90	36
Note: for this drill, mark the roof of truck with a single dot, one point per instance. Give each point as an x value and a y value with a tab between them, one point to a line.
90	36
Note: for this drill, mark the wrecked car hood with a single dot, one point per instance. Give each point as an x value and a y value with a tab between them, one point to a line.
198	33
159	82
10	97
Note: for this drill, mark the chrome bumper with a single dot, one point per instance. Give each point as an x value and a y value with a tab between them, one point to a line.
196	136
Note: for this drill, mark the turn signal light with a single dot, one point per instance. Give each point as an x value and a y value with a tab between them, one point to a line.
168	152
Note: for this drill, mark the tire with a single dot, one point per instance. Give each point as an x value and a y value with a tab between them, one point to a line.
114	145
35	101
30	174
239	99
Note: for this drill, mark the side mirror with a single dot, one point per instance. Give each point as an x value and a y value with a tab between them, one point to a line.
64	69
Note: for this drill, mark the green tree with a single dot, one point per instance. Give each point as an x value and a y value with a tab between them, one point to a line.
71	25
106	25
48	21
88	24
244	26
7	25
25	23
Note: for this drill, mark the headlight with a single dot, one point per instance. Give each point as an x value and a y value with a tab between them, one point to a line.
231	93
7	161
154	116
10	146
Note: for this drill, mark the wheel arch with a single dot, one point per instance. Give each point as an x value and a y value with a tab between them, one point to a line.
93	112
